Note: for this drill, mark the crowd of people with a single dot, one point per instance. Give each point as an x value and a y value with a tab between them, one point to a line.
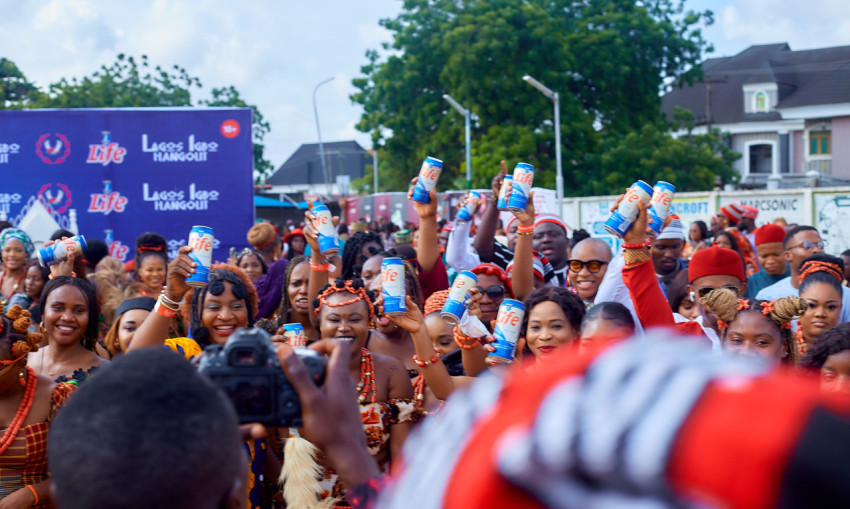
703	368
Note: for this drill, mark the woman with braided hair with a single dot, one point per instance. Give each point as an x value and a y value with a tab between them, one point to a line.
820	286
358	249
750	327
295	307
28	404
387	410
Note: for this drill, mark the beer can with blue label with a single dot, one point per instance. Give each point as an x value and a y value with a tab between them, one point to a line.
392	286
328	240
662	197
508	329
58	252
428	175
294	334
456	302
201	241
521	187
468	211
621	219
502	202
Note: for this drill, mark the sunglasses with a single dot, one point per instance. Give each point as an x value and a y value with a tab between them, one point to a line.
495	292
704	291
593	266
808	245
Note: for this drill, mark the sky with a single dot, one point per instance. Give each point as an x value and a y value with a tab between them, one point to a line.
276	51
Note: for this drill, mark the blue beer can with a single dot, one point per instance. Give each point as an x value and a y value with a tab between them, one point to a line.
508	329
662	198
502	202
58	252
328	240
428	175
522	182
468	211
392	286
294	334
201	241
621	219
456	302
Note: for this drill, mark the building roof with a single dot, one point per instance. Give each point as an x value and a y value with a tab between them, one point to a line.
803	78
304	166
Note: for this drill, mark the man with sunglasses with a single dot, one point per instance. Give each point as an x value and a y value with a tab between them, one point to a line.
800	243
587	268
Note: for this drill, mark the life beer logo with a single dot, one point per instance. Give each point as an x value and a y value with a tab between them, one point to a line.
191	199
390	274
53	148
508	318
661	197
106	152
117	250
201	244
524	177
430	173
632	196
8	149
108	201
176	151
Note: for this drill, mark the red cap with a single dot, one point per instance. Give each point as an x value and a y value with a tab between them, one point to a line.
297	232
734	211
769	233
750	212
715	261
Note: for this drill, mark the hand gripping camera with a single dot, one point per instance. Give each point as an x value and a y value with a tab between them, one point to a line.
246	368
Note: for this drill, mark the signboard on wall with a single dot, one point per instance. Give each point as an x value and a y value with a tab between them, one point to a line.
122	172
772	206
832	219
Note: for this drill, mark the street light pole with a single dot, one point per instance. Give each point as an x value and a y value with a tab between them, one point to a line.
375	170
319	131
559	176
467	119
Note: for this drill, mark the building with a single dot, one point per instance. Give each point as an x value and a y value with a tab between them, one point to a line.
302	173
786	112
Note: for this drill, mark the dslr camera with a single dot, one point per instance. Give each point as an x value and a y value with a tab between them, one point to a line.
246	368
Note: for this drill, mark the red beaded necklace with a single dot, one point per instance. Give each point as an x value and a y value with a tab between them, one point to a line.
419	390
23	411
17	283
367	388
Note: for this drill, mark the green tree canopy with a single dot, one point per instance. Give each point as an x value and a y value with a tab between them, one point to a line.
608	59
127	83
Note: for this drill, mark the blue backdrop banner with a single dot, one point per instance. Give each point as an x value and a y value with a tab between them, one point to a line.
116	173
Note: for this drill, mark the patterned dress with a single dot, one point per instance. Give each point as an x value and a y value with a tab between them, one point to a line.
25	461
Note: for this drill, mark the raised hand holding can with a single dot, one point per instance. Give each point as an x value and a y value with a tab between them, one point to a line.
327	237
473	200
621	219
662	197
456	302
502	202
58	252
428	175
507	330
201	240
393	288
523	179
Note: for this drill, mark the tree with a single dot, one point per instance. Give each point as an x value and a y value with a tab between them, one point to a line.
128	83
608	59
16	91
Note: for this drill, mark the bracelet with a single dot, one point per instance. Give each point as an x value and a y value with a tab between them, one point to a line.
464	341
161	310
424	364
642	245
34	494
167	303
525	233
525	228
50	276
319	267
634	257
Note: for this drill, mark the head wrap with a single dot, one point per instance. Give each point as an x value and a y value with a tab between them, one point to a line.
436	301
715	261
549	218
674	230
261	235
769	233
734	211
18	234
145	303
494	270
403	236
750	212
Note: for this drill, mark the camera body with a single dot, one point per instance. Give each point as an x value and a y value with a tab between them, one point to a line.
246	368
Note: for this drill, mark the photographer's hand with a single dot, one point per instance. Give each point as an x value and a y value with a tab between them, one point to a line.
331	413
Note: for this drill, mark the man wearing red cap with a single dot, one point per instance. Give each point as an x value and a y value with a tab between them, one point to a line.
728	219
774	267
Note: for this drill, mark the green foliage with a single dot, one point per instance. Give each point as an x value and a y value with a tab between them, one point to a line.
608	59
128	83
16	92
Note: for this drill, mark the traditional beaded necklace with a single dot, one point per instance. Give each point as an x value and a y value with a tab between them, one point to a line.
367	388
419	390
14	288
23	411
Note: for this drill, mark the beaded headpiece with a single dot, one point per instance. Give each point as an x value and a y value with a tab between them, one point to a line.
820	266
20	321
350	286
